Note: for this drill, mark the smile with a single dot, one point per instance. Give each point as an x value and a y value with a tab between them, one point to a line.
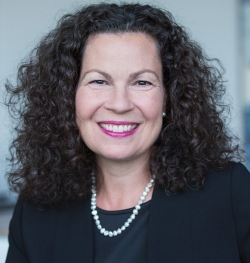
118	128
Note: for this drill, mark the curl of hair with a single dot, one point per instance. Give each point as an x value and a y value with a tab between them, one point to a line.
52	165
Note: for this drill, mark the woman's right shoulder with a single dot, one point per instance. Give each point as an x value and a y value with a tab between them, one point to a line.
33	230
29	228
29	219
27	213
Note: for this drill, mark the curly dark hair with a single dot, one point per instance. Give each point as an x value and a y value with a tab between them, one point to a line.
52	165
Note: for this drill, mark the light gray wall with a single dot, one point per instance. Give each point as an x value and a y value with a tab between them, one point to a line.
213	23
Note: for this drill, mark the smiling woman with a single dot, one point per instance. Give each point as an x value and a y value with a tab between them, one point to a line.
121	152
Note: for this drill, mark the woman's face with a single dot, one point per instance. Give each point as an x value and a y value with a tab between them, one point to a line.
120	95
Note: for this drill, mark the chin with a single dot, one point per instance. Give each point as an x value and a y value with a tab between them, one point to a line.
122	156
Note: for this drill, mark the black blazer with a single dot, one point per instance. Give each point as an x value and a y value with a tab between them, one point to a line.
199	226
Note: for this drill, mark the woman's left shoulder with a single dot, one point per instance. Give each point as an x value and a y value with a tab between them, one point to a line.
225	202
238	169
236	174
240	203
239	173
238	178
240	186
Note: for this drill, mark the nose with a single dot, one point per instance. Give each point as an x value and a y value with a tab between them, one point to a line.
120	100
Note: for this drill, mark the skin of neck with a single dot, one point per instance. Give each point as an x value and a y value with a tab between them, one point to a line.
120	184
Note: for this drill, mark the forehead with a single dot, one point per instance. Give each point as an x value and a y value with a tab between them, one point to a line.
121	46
121	35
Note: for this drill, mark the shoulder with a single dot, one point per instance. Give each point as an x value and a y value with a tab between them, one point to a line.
28	214
219	182
240	204
225	185
31	217
33	229
29	228
240	176
222	188
234	177
233	169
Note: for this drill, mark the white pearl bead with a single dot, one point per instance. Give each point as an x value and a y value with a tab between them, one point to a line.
135	212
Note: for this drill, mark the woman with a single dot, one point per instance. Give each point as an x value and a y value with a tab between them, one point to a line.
121	153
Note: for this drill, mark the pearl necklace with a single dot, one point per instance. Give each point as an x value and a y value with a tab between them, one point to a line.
129	220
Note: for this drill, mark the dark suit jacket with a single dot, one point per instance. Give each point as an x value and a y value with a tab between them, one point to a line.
200	226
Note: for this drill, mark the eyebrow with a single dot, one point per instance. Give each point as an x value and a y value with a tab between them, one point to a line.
106	75
136	74
131	76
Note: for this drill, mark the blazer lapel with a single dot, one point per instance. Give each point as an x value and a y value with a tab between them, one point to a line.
74	241
170	238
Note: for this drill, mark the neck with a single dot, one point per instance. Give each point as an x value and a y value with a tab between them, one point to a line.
120	184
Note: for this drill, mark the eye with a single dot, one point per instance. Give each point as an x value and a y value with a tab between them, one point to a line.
143	83
98	82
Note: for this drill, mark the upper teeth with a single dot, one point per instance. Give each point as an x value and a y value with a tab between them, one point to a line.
118	128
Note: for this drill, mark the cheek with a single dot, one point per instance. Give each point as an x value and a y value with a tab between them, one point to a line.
153	107
84	103
81	107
